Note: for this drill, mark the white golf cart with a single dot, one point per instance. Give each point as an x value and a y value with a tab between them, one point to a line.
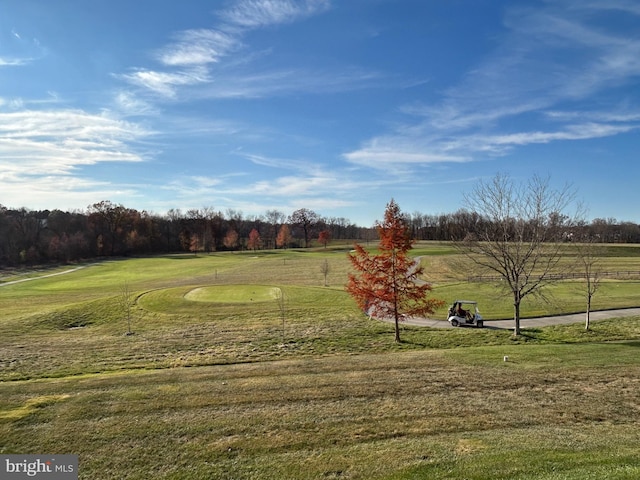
465	312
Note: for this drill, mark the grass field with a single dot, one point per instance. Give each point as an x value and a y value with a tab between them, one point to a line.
214	384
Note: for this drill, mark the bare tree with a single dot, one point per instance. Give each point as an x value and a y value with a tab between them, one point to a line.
325	268
305	219
589	261
520	235
126	302
281	302
274	218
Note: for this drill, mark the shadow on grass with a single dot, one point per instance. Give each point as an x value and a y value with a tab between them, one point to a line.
185	256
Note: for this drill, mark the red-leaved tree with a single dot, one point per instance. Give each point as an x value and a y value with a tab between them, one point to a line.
387	285
254	240
324	237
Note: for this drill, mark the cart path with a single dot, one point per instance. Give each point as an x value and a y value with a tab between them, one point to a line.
529	322
13	282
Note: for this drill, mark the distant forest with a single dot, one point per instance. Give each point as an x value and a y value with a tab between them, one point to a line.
30	237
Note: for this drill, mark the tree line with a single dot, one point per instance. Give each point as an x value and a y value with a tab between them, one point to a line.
29	237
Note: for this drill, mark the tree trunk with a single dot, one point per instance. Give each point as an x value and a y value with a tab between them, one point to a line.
396	314
586	327
516	316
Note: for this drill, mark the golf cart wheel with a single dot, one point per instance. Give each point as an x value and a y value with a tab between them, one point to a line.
454	323
480	324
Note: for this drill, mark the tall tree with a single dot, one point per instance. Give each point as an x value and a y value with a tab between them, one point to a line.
305	219
254	240
388	284
231	239
284	236
108	220
520	235
274	218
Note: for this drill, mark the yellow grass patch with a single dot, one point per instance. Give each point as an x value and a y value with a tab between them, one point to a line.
30	406
469	445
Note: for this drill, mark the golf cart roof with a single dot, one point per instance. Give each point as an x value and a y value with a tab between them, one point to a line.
466	301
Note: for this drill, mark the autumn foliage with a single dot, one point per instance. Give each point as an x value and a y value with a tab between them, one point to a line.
324	237
254	240
388	285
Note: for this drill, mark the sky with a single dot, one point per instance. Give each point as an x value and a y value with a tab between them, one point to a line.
336	106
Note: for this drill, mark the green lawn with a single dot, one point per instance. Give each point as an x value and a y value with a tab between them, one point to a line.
562	411
216	383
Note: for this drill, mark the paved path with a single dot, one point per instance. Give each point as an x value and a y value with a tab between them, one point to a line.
13	282
531	322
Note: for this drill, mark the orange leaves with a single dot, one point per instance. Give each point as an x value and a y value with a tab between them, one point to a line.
387	285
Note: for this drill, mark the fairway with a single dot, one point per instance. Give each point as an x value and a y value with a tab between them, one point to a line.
219	380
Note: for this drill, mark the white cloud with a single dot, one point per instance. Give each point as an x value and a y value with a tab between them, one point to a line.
41	143
130	104
165	83
388	157
14	62
56	191
259	13
573	132
198	47
285	82
42	155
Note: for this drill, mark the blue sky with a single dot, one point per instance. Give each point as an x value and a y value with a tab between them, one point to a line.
332	105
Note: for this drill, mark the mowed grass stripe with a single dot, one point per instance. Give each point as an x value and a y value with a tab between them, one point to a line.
396	415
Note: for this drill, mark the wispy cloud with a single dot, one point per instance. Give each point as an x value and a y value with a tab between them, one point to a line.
131	105
290	81
198	47
314	186
16	50
387	154
551	58
44	143
189	60
166	83
260	13
69	192
13	62
48	150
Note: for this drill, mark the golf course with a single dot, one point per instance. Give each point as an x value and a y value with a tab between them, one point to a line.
259	365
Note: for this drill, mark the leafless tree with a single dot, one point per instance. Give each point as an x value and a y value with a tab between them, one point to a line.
126	302
325	268
520	235
274	218
305	219
589	261
281	302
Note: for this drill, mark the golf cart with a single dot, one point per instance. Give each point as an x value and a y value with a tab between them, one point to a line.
459	315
